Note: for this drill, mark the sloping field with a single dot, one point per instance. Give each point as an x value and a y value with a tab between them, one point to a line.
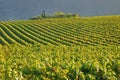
87	49
73	31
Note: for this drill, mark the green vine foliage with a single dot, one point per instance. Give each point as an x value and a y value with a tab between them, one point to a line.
40	62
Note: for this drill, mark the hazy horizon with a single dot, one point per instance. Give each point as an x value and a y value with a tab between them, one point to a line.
24	9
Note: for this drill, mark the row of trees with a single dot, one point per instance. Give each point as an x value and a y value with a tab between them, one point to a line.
55	15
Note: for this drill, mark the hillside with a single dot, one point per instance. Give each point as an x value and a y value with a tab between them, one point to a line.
68	31
71	31
61	49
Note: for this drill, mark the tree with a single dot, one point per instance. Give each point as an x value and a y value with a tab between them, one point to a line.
59	14
43	14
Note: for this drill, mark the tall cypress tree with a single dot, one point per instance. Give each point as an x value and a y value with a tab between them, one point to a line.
43	14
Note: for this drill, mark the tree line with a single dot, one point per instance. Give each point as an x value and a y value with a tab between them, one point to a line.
58	14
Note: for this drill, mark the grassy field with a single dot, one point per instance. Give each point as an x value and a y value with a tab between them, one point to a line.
60	49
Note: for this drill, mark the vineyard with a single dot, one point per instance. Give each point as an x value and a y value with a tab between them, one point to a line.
60	49
74	31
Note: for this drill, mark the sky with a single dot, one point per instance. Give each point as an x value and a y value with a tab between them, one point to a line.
24	9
